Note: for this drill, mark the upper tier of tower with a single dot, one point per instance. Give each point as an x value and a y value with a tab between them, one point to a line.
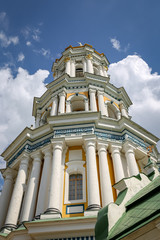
75	61
81	84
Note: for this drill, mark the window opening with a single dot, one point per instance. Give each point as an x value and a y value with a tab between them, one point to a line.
75	187
79	72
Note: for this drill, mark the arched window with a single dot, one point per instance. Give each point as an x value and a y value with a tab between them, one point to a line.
77	104
111	112
79	72
75	187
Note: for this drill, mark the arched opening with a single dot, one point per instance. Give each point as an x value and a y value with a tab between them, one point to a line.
77	104
112	111
45	116
96	71
79	72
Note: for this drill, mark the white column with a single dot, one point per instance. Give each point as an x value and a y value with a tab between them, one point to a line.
93	103
37	120
68	65
131	161
86	105
101	105
123	111
84	65
68	106
31	194
106	187
73	71
92	175
62	96
16	199
6	194
106	107
54	106
105	69
55	181
100	71
118	114
43	190
89	64
117	163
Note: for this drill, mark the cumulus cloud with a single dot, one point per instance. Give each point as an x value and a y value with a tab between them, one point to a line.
143	87
5	41
21	57
16	98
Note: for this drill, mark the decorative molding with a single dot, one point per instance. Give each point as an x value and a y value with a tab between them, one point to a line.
100	133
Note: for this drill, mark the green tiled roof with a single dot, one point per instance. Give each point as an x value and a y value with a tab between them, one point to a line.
140	210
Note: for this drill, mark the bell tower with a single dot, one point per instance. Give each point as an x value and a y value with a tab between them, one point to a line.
62	172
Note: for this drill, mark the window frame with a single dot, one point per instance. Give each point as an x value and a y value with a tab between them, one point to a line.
75	167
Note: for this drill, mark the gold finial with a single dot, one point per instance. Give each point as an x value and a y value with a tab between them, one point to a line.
89	56
106	68
66	59
149	149
54	74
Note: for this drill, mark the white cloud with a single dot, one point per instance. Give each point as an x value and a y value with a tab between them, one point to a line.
21	57
28	43
6	41
4	20
31	33
115	43
43	52
143	87
16	98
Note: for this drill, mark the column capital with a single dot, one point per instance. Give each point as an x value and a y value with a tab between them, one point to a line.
67	59
54	97
89	56
36	156
102	146
24	158
89	141
91	90
58	144
63	93
115	147
100	92
128	146
47	150
9	173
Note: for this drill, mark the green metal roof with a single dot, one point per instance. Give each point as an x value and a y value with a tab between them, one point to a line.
140	210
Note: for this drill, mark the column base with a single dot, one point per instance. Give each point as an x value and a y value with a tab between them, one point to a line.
92	210
93	207
37	217
7	228
51	213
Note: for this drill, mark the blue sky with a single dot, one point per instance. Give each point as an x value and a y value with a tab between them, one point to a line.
53	25
34	33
